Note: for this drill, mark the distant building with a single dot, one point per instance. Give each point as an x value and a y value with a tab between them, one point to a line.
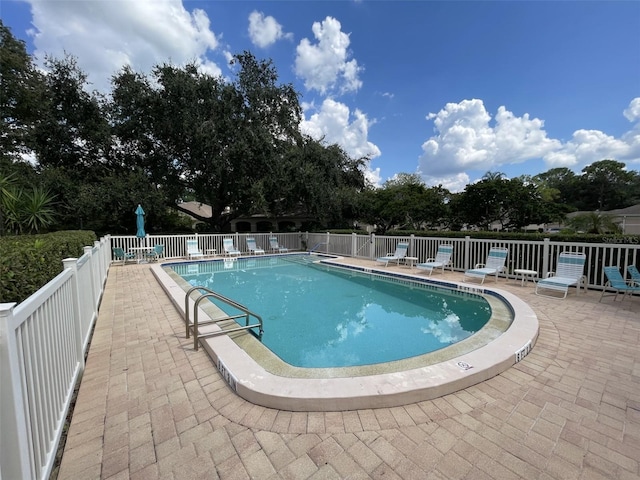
254	223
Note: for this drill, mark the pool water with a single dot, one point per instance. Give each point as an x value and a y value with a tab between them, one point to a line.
318	316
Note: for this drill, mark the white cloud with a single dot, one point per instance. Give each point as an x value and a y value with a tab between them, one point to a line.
264	31
324	66
104	36
336	124
632	112
466	139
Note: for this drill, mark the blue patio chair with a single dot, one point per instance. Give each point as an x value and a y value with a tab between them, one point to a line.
252	247
441	260
618	284
493	266
118	254
156	253
634	273
399	254
229	247
569	273
273	243
193	251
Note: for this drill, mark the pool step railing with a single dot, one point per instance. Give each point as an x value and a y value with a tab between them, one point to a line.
194	327
312	249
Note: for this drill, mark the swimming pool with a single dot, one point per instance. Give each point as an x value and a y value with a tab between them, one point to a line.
320	316
253	372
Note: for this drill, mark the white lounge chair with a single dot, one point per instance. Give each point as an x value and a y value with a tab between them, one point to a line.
618	284
252	247
192	250
273	243
399	254
494	265
229	247
442	259
569	272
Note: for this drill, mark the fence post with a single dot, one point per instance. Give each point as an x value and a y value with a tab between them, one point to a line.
72	264
412	249
14	441
546	247
326	247
372	250
467	253
354	244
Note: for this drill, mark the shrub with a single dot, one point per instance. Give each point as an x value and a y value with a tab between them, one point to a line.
28	262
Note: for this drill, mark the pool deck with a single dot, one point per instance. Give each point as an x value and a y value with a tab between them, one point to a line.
150	407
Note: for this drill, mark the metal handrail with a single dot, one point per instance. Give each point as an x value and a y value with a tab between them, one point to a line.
317	245
222	298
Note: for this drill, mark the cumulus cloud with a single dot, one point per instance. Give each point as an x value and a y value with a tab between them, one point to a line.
325	66
334	123
105	36
265	31
467	138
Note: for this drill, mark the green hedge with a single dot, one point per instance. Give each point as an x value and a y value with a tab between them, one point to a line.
28	262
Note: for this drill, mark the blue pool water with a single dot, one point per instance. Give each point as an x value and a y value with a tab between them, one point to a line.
322	316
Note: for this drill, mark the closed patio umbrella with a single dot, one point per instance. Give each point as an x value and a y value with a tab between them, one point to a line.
140	222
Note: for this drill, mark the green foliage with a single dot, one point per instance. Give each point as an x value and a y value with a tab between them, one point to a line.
594	222
28	262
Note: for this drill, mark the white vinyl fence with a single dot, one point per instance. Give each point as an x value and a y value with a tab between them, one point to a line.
540	255
42	347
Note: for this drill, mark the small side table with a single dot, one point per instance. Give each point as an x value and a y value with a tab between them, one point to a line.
411	261
525	273
211	252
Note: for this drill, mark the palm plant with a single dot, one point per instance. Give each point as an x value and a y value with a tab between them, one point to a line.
594	222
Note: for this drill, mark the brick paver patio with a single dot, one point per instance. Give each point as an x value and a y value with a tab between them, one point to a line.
150	407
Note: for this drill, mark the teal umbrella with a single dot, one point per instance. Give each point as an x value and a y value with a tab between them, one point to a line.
140	222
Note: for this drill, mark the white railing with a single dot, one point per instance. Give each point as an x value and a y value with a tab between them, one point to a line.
42	345
175	246
538	255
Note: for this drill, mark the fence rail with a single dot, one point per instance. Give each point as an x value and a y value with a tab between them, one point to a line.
43	340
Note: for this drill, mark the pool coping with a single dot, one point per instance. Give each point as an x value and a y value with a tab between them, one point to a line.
254	383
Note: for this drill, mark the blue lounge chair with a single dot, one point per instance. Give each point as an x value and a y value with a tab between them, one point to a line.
399	254
618	284
252	247
156	253
634	273
229	247
569	273
193	251
493	266
118	254
273	243
442	259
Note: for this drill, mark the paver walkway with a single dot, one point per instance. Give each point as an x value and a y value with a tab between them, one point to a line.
150	407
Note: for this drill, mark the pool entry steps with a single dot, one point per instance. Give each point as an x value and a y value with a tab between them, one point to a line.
230	326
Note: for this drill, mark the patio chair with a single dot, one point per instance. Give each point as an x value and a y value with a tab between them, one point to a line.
273	243
193	251
635	274
493	266
569	272
399	254
156	253
253	248
119	254
618	284
229	247
441	260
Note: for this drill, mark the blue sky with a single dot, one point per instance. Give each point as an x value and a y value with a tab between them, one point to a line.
447	89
